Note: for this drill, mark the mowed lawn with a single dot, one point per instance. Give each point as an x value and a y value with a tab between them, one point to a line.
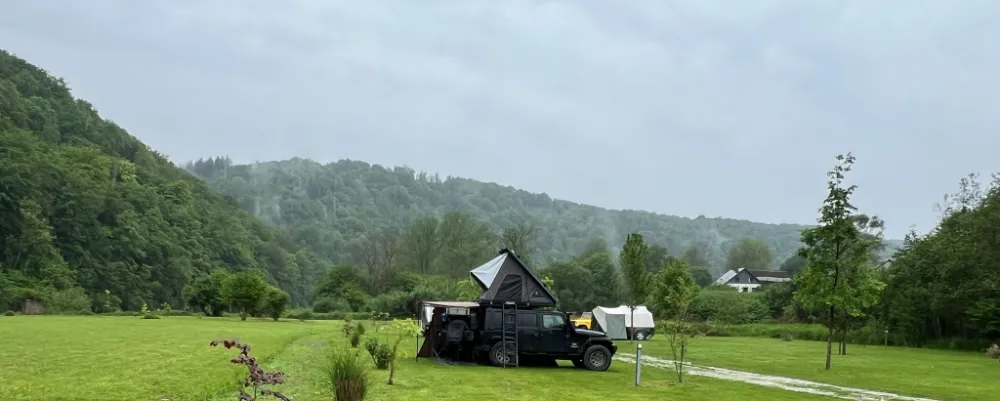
128	358
428	380
121	358
125	358
943	375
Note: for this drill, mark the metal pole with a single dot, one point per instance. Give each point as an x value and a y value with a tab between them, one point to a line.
638	363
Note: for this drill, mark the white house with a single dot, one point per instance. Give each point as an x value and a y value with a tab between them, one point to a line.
745	280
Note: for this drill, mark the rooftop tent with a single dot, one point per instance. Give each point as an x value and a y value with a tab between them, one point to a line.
505	278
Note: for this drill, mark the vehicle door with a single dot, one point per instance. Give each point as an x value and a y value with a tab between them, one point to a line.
553	336
527	331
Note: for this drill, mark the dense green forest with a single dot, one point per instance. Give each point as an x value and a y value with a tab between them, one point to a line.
86	206
327	207
946	284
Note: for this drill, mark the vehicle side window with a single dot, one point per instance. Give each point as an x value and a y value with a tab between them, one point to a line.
493	320
527	320
553	322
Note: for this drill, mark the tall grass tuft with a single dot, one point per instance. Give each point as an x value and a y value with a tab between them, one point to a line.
348	374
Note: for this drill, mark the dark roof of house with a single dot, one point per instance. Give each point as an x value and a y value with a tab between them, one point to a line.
770	273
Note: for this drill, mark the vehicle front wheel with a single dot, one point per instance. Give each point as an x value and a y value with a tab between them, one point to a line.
597	358
501	355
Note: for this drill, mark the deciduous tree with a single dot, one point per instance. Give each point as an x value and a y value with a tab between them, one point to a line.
749	253
245	291
632	260
520	238
656	257
275	302
695	255
423	243
675	291
836	276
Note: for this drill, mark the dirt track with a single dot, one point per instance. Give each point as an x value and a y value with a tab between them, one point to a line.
785	383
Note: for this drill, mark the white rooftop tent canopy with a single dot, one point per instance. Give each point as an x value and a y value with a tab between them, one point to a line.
506	278
611	318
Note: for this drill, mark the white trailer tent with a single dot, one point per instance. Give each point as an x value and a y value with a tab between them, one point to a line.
506	278
610	318
611	322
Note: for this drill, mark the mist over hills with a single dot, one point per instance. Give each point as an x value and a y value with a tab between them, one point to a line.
325	206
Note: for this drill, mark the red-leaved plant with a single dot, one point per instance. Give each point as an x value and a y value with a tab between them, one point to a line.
256	377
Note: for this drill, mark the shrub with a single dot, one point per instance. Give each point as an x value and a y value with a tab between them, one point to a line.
355	339
275	302
150	316
329	316
245	291
380	319
360	315
993	352
327	305
18	295
9	313
392	303
348	327
787	336
165	309
69	301
300	314
348	375
725	308
359	328
380	352
257	378
107	302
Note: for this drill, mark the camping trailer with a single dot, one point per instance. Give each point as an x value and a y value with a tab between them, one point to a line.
617	322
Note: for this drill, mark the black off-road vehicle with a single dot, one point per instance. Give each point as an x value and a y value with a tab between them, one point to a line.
509	334
509	322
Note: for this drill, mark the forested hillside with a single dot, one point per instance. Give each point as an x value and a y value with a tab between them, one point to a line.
329	206
86	207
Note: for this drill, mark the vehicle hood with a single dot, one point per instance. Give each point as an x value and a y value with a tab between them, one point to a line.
590	333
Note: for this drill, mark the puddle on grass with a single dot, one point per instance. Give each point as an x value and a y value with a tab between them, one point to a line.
784	383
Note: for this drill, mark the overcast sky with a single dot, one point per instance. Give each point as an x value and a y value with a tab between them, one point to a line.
723	108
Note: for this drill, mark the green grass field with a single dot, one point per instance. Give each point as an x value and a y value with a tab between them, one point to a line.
125	358
945	375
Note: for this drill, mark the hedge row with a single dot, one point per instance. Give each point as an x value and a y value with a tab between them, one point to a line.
866	335
300	314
